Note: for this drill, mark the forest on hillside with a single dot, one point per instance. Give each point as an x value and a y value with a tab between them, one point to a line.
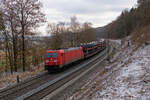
134	22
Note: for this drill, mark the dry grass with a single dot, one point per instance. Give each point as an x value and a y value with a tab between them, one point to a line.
2	55
2	61
8	79
141	35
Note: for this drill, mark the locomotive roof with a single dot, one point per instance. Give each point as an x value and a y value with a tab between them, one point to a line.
65	49
70	49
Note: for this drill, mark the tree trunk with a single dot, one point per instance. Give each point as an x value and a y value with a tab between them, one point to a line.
15	52
9	53
23	50
14	47
6	58
10	59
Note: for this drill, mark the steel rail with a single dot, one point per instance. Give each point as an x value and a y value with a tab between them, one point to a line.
20	85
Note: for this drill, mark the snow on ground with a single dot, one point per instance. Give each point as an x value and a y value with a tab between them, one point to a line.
126	78
132	82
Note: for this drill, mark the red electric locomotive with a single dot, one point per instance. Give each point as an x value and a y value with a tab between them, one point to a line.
56	59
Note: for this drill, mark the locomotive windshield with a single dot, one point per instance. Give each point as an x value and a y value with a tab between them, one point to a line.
51	55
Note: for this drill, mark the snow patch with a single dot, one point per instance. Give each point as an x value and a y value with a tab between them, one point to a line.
132	82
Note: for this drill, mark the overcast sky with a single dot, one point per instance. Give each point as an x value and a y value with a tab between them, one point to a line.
98	12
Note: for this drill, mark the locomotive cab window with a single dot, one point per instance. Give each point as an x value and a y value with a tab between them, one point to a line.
51	55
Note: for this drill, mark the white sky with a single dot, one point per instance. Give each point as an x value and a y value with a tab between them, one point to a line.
98	12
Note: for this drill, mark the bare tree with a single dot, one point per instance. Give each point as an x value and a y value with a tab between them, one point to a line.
55	30
8	51
87	34
10	29
22	16
4	37
8	47
29	16
75	29
67	35
1	23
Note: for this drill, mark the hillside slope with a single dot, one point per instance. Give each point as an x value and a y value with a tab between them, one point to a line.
127	77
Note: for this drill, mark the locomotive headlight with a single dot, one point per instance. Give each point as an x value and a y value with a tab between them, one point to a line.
55	60
47	61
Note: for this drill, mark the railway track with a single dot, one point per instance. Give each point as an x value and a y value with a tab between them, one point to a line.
7	92
45	84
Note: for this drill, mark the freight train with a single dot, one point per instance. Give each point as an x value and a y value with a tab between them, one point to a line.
57	59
